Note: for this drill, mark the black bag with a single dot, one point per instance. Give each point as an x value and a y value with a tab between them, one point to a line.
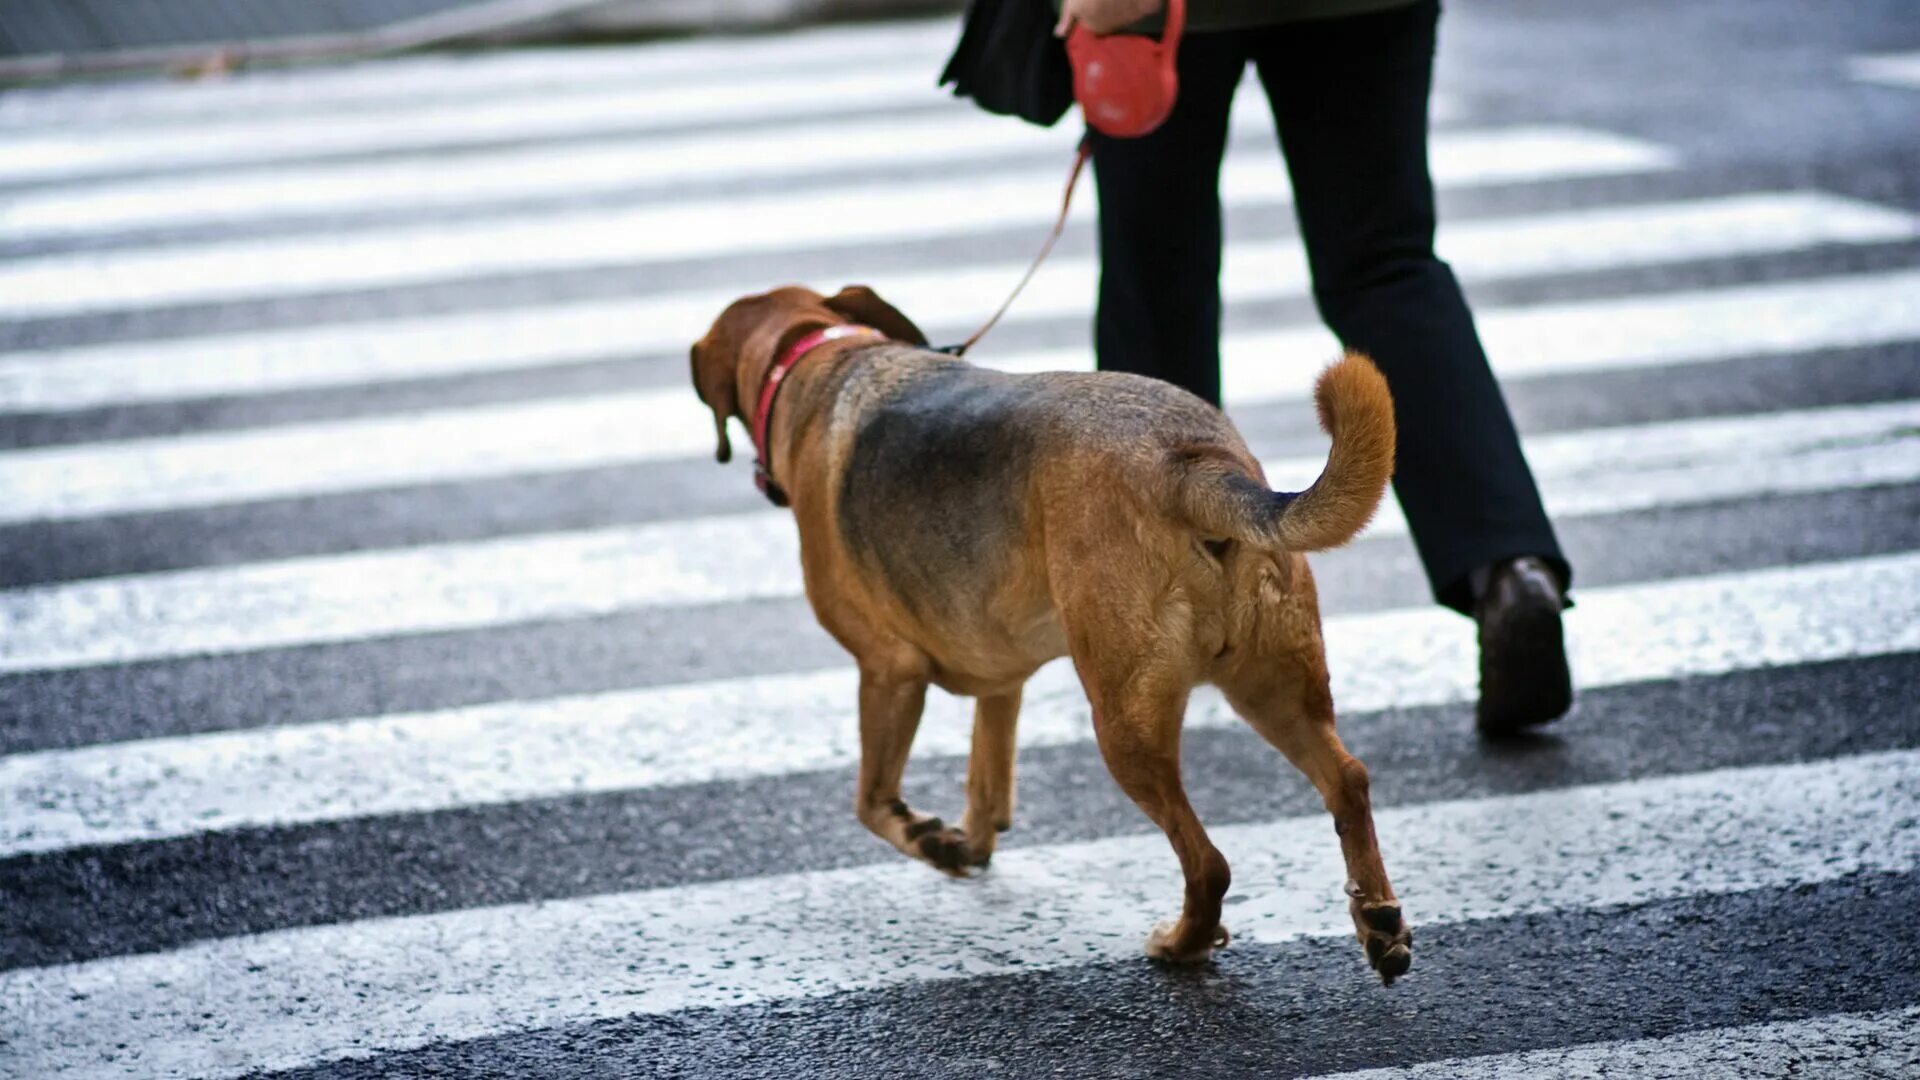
1009	62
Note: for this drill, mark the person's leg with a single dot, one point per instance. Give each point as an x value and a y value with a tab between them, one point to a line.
1350	98
1159	309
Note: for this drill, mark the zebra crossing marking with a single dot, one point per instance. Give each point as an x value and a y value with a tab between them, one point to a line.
742	557
399	83
1839	1045
769	725
1891	69
299	996
296	997
892	211
465	585
608	166
329	356
330	457
68	155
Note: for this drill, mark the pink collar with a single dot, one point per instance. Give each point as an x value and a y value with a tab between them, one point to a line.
763	416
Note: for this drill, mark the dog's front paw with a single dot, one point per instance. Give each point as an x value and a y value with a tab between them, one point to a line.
1386	937
1165	945
944	847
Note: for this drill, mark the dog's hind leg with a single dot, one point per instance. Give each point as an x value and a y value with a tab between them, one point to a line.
892	696
1138	650
1138	728
1139	700
990	774
1286	699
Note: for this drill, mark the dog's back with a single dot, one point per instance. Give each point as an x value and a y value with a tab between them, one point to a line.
934	491
947	464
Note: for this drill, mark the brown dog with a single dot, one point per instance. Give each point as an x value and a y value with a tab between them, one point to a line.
961	527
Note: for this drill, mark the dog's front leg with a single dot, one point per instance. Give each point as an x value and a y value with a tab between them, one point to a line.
891	699
990	774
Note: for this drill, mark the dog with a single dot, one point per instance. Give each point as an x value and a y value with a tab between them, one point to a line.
960	527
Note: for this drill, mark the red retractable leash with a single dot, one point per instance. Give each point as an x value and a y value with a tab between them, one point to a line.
1126	85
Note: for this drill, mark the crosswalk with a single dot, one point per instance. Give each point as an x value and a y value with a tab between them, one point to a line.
287	998
76	283
470	443
766	725
1876	1044
743	557
415	81
1894	69
464	880
1800	315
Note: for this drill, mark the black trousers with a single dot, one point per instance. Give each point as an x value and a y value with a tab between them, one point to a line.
1349	98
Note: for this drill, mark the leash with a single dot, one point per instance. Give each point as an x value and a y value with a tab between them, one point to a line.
1126	86
1080	156
763	415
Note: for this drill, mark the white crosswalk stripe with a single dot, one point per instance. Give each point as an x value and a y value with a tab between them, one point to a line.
1893	69
1847	1044
790	151
237	797
300	996
67	155
462	444
949	297
397	90
891	211
766	725
399	83
471	584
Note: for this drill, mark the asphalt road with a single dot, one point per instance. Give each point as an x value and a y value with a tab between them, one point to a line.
392	686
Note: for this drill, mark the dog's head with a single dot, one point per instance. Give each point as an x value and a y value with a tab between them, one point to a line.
732	361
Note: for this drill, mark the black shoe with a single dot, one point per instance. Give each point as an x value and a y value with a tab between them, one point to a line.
1524	679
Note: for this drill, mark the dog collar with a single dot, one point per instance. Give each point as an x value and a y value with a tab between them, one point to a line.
763	416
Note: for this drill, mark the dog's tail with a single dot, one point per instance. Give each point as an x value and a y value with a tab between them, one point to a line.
1357	411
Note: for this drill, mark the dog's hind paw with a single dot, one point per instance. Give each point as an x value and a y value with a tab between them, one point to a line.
1164	944
1386	937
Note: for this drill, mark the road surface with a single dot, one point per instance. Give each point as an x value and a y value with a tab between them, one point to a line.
391	685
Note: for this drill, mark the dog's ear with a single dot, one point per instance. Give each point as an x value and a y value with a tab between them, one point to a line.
713	380
863	305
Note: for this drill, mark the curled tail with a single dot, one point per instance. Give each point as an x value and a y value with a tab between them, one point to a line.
1357	411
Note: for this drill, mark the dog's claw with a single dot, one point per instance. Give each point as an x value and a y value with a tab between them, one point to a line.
1386	937
1394	963
947	848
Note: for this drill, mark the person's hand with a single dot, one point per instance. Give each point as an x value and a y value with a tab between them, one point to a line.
1103	16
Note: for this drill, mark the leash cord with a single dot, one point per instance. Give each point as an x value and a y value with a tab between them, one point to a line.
1080	156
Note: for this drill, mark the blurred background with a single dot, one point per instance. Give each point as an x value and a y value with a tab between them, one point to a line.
52	37
391	684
